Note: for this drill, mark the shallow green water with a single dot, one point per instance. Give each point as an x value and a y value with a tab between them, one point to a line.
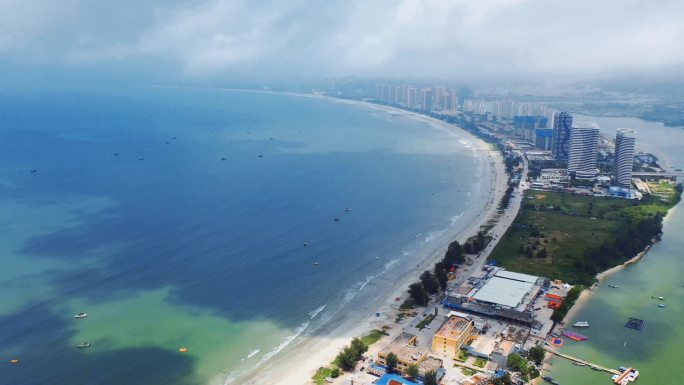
656	351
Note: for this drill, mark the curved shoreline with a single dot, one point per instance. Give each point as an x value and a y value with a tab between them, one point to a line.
297	364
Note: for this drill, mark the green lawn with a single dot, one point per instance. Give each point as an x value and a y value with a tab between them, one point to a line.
372	337
321	374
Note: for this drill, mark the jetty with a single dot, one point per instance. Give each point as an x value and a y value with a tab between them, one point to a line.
587	363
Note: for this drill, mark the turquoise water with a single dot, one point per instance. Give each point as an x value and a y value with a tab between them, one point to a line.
656	351
177	218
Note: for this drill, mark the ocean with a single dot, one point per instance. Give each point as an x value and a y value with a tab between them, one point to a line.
656	350
177	218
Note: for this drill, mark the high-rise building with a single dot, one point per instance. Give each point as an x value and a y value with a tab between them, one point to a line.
454	99
625	141
543	138
426	96
525	125
584	137
560	148
411	97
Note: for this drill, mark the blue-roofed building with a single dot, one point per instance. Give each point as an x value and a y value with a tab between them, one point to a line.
525	125
394	379
543	138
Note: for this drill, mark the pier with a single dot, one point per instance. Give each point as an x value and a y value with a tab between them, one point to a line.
581	361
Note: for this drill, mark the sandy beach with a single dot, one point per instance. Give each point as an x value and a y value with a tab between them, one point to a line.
297	364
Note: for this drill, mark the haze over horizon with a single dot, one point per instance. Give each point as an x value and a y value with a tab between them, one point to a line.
217	40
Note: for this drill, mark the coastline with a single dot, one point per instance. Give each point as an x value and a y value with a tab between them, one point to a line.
298	363
586	294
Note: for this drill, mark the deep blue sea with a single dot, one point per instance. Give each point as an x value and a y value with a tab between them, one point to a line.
176	218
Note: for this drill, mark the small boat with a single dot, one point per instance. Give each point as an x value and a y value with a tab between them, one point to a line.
621	369
83	345
316	263
81	315
337	219
141	158
661	305
581	324
596	368
347	209
260	155
614	286
116	154
306	244
579	363
661	298
551	380
223	158
34	171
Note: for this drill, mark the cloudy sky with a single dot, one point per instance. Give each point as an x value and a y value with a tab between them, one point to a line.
399	38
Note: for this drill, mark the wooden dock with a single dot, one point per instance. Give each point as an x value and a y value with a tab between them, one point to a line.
581	361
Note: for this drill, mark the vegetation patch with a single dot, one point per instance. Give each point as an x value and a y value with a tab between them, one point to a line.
372	337
573	237
480	362
425	321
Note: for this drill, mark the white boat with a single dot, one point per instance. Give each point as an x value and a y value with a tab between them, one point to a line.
83	345
661	298
661	305
614	286
81	315
581	324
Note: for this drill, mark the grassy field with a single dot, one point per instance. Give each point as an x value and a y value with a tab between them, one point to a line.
553	231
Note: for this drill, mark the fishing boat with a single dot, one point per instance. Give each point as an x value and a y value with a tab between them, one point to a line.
614	286
581	324
83	345
81	315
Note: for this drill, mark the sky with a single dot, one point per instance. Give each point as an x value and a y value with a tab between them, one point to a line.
231	39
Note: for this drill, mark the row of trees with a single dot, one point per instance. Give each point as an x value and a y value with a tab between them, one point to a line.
431	282
350	355
568	302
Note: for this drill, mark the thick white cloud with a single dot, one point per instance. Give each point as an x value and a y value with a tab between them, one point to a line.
436	38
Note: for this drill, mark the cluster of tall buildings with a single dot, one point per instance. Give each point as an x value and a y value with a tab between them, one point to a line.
507	109
438	98
578	144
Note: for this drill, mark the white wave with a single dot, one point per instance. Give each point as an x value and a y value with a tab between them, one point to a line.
284	344
253	352
455	218
368	279
392	262
313	313
433	235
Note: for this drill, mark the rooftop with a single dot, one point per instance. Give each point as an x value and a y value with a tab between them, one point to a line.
503	291
453	327
404	352
585	125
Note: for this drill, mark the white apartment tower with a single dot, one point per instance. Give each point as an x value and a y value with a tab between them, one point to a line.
625	141
584	137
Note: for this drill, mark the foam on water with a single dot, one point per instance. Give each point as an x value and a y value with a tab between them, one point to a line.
316	311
